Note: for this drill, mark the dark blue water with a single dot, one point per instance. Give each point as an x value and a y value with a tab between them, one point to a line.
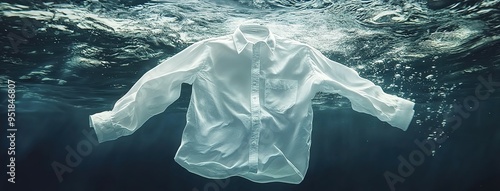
72	59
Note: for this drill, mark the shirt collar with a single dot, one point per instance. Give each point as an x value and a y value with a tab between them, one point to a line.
240	41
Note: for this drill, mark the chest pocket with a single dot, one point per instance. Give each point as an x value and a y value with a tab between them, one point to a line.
280	94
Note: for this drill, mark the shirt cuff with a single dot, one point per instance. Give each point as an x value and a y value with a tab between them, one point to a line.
105	128
403	115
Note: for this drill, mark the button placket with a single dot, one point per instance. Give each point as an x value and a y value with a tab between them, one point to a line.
255	109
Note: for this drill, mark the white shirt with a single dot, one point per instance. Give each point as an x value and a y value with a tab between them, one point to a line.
250	112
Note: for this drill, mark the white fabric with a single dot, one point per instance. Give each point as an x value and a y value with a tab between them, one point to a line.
250	113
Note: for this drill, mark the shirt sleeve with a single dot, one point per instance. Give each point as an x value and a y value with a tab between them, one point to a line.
150	95
365	97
